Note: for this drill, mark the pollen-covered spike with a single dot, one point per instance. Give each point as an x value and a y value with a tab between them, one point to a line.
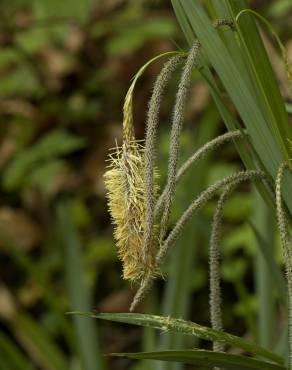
125	185
126	194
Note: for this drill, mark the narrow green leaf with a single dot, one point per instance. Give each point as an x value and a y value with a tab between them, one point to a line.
205	358
79	295
266	315
187	327
262	68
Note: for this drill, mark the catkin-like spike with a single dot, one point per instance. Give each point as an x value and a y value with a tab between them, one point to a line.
125	185
214	269
202	152
286	244
178	116
215	299
214	261
150	151
198	203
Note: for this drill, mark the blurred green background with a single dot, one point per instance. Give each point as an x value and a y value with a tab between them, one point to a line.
65	67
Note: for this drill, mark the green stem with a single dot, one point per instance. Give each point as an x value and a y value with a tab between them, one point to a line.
263	276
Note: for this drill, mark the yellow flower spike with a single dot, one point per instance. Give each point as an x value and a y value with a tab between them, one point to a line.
125	186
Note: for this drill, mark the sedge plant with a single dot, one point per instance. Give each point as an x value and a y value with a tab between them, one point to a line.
140	210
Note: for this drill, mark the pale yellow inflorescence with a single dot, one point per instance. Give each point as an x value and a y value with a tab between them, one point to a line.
125	186
126	191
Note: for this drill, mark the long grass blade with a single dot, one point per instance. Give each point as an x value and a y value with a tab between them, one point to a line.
189	328
263	277
207	359
79	295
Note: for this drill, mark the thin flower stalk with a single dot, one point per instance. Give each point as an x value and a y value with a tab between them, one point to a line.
214	268
214	261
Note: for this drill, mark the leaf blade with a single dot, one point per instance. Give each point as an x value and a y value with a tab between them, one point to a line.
186	327
205	358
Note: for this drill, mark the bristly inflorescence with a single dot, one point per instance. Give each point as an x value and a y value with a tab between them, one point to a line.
124	181
286	242
126	192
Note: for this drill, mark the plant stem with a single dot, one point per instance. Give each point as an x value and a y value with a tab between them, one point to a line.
263	276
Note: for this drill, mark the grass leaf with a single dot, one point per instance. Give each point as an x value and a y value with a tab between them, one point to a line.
186	327
205	358
78	292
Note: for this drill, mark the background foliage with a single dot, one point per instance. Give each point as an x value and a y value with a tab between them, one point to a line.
65	68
